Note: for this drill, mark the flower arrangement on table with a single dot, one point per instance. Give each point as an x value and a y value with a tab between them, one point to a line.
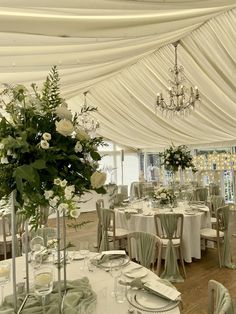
177	157
164	196
46	156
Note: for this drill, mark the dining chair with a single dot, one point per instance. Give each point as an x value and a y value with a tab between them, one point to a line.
99	206
216	201
219	299
6	237
214	189
169	227
109	231
146	248
220	236
200	194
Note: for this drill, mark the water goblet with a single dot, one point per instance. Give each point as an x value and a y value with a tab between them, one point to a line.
36	244
115	272
43	283
5	271
84	251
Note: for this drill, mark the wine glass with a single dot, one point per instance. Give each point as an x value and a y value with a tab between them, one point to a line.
84	251
5	270
37	244
115	271
43	283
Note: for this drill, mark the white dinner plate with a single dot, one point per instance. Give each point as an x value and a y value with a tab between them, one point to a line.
136	272
149	302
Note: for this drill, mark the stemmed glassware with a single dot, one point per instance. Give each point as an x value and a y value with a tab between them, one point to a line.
5	271
43	283
36	245
84	251
115	271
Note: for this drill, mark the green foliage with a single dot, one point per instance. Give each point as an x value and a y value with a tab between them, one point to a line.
39	137
177	157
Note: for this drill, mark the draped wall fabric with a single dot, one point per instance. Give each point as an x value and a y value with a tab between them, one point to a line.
121	52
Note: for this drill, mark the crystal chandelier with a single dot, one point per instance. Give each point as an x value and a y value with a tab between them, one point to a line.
181	99
88	123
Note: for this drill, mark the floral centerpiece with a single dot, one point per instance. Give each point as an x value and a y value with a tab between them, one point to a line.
45	154
164	195
177	157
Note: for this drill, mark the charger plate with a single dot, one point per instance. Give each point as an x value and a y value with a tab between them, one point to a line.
113	262
149	302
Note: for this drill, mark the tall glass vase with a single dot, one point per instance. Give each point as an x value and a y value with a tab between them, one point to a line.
61	258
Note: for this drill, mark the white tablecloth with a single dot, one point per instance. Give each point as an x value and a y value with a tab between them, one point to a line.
100	280
191	228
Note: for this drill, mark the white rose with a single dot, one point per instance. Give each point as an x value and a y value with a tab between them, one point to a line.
64	127
63	183
63	113
4	160
53	202
74	213
63	207
2	146
82	135
47	136
57	181
98	179
48	194
44	144
70	189
68	196
78	147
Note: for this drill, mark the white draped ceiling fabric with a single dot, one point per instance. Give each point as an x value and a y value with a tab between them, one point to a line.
121	52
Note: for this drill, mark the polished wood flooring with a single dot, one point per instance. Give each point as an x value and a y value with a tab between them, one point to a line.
199	272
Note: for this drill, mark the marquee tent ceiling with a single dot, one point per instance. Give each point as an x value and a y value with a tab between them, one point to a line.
121	52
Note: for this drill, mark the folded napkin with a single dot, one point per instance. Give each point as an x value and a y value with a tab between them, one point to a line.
160	287
79	299
107	256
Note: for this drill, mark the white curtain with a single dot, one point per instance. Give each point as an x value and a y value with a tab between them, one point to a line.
120	51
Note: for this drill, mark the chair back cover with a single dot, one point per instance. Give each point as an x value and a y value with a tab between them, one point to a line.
170	226
107	224
147	247
222	224
219	299
99	207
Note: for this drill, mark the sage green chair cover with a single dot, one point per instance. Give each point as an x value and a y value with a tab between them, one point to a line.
80	299
99	207
171	272
220	301
106	217
145	247
223	218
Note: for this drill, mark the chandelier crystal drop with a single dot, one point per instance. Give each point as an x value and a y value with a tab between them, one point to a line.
181	98
88	123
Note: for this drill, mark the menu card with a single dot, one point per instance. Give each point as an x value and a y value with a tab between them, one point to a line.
159	288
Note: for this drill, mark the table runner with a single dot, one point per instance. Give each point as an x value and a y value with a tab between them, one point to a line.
80	299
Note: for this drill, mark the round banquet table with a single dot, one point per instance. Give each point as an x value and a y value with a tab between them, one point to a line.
193	222
101	281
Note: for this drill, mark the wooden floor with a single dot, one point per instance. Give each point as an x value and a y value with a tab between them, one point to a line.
199	272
